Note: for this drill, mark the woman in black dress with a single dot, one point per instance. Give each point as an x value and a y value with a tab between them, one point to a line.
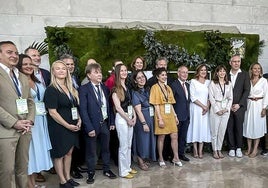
64	122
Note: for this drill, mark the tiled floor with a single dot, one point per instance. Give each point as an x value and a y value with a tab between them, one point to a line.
198	173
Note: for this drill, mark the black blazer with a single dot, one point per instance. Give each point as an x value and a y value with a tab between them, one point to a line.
182	105
46	76
90	110
241	89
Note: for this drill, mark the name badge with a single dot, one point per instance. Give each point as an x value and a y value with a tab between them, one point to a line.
104	112
151	110
224	104
167	108
22	107
74	113
130	111
40	109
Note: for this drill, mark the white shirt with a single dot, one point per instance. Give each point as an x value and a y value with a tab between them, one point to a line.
16	72
234	76
185	88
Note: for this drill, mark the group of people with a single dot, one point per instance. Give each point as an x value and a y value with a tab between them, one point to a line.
45	117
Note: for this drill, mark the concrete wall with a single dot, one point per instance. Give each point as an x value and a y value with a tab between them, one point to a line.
23	21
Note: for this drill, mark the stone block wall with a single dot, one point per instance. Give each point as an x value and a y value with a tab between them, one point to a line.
23	21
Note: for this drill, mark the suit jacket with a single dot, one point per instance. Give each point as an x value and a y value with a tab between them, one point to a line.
241	89
182	105
46	76
90	109
8	109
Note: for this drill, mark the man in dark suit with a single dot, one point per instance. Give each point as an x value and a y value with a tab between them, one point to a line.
181	93
17	112
43	75
159	63
241	88
98	119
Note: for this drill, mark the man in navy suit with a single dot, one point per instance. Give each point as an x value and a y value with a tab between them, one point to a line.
181	93
43	75
69	61
98	119
241	88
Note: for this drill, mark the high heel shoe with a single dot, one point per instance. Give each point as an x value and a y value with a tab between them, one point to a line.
177	163
162	164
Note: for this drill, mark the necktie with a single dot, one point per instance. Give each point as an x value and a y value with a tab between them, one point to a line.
99	94
75	85
184	89
15	82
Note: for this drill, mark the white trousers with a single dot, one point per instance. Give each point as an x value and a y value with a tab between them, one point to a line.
218	125
125	134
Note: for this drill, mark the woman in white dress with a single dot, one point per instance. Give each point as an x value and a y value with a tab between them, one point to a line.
220	97
255	121
199	130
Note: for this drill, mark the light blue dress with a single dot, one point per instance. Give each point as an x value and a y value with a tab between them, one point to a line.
39	154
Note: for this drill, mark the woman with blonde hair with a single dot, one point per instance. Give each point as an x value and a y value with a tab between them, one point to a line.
255	122
61	100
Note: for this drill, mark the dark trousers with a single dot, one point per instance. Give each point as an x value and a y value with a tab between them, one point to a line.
78	155
182	134
235	129
103	138
114	145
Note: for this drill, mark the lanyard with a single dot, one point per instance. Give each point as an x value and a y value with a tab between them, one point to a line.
166	96
70	96
16	83
222	90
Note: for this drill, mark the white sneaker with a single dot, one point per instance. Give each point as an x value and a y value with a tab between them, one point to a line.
239	153
232	153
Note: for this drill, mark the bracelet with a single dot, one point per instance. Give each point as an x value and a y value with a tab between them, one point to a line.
143	123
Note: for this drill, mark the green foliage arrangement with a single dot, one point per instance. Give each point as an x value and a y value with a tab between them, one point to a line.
180	47
174	53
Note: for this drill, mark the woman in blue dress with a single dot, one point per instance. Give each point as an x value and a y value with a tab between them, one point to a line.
144	146
39	150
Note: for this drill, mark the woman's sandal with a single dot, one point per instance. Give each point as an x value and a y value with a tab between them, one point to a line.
143	166
162	164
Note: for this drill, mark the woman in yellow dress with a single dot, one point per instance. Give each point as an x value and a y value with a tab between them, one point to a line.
165	118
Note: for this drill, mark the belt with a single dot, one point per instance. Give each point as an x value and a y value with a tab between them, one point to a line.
255	98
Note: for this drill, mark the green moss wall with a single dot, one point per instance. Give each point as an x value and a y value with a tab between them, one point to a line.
106	45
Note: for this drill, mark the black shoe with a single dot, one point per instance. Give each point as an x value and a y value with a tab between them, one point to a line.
76	174
73	183
82	169
91	176
184	158
109	174
264	152
66	185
